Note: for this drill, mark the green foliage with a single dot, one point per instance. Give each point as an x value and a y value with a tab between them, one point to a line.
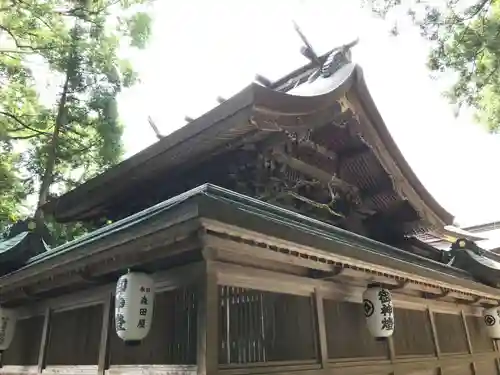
62	233
11	190
466	43
69	131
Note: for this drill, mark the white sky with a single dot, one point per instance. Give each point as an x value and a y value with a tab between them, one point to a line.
202	49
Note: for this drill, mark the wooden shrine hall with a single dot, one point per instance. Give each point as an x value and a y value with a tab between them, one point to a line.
277	233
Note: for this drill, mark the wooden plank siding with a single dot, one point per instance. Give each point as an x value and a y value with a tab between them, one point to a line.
267	322
25	347
172	339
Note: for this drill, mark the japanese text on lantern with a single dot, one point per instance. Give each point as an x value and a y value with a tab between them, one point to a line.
386	310
3	329
120	304
143	307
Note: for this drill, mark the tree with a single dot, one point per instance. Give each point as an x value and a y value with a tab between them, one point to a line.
17	96
465	43
75	134
11	191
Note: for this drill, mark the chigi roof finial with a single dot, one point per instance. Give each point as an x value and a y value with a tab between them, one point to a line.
307	49
155	128
329	64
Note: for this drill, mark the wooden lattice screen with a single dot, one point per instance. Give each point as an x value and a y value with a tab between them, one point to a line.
172	339
258	326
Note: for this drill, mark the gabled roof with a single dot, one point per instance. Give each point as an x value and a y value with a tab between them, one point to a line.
252	114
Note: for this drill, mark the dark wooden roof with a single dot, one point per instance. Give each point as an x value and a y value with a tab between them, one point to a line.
372	160
120	244
18	249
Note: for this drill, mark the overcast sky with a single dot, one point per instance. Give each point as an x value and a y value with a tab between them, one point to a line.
202	49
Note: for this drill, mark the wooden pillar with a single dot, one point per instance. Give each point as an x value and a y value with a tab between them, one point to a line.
320	328
42	353
435	340
208	321
469	344
390	348
102	363
437	348
497	359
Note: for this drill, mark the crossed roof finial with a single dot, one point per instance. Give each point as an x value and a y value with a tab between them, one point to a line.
329	64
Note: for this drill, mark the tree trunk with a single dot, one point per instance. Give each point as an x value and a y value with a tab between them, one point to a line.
48	175
61	118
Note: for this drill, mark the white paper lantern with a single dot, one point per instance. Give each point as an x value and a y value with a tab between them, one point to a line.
491	318
8	320
134	306
379	311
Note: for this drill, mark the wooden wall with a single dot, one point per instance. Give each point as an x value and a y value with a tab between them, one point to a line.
257	326
74	337
431	337
413	335
172	339
82	338
264	327
263	324
26	344
346	334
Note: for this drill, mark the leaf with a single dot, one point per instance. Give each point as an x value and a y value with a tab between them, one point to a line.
465	42
139	26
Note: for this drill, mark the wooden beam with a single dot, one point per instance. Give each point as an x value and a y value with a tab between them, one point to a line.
402	284
352	254
313	172
221	246
321	328
44	342
208	321
497	360
326	275
164	280
265	280
391	351
263	80
155	128
437	348
322	150
182	244
444	293
102	364
469	342
466	330
435	340
159	233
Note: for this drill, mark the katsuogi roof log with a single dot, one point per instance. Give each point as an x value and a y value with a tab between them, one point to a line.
336	136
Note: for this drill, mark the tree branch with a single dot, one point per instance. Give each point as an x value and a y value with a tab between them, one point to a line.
18	44
11	34
23	137
25	126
